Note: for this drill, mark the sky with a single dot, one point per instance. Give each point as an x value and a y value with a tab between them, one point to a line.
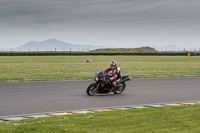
119	23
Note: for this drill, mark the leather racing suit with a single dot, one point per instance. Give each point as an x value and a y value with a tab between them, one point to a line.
116	75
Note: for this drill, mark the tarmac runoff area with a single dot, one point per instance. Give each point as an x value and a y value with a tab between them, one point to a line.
85	111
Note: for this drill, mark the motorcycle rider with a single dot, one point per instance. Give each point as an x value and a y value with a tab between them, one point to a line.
116	74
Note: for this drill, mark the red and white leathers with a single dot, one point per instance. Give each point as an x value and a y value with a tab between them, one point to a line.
116	76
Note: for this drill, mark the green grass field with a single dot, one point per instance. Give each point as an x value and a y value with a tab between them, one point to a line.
183	119
170	119
45	68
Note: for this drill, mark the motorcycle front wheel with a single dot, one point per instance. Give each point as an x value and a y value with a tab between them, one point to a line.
121	89
92	89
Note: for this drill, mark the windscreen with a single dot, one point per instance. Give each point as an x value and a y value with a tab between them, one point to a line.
100	73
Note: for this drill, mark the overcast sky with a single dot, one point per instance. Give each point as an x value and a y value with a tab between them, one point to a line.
121	23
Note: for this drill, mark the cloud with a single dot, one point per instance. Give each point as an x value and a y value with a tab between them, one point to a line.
23	13
98	19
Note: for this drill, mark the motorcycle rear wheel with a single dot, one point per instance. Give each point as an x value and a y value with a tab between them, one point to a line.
121	90
92	90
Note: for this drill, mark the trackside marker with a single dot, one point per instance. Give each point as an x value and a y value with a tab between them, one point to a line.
13	118
174	104
36	116
155	105
64	113
83	112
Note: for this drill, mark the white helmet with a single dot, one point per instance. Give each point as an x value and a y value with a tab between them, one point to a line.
113	64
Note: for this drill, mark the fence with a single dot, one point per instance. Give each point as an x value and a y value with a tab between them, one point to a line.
42	49
88	53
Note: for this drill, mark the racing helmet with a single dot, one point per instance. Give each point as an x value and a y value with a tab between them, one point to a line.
113	64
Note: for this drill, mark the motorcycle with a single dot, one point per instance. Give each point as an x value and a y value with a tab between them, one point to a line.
102	84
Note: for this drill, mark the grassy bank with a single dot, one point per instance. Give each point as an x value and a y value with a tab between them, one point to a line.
184	119
125	50
44	68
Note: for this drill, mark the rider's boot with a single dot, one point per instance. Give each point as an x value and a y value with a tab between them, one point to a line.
115	87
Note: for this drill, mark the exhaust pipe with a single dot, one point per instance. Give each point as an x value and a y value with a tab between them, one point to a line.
126	79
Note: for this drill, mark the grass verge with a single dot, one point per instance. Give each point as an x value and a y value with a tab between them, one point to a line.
45	68
172	119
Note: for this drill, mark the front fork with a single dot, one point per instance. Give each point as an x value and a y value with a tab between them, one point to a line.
96	84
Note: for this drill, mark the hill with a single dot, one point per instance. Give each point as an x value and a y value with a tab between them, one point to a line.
125	50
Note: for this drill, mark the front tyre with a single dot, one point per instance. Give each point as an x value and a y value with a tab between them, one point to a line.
121	89
92	89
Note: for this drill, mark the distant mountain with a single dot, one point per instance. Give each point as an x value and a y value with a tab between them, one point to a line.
56	45
53	45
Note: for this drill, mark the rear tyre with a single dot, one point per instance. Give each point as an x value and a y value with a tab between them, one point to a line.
121	89
92	89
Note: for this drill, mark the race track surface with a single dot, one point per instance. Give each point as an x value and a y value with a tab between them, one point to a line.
38	97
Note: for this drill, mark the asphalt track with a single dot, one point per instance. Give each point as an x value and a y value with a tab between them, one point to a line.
38	97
